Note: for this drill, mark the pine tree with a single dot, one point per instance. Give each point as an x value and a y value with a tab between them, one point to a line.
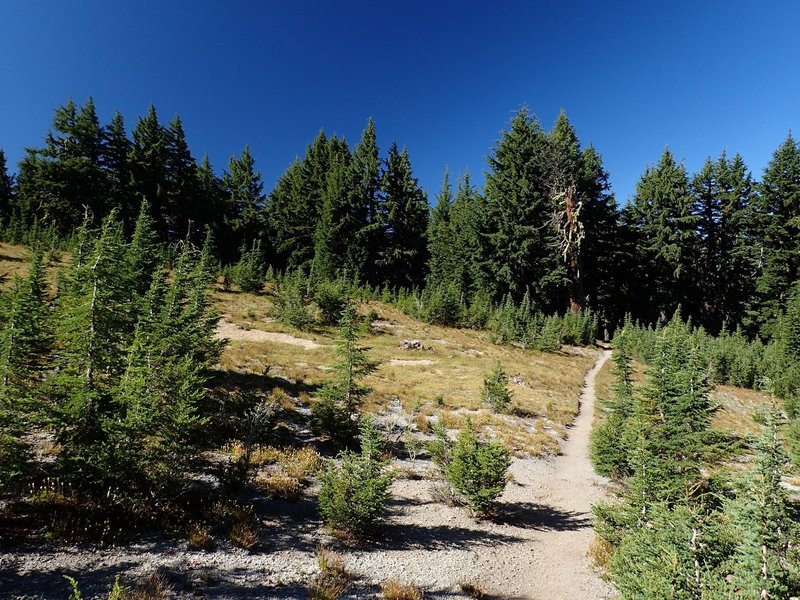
143	253
56	182
466	221
186	215
339	401
244	189
367	176
722	196
777	208
495	391
666	240
766	557
148	162
336	251
404	210
26	335
518	248
608	451
116	166
6	191
440	238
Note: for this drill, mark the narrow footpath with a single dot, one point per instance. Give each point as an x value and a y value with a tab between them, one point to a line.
553	564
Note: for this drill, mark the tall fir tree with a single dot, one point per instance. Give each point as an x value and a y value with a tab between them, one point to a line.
245	197
404	210
721	200
56	182
666	241
777	219
519	248
6	191
367	176
117	168
148	163
440	237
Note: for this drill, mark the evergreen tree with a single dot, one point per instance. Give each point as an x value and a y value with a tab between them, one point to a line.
244	189
143	253
117	168
440	237
186	216
339	401
765	562
335	241
212	196
6	191
26	335
367	176
666	241
608	451
466	221
519	249
721	198
148	162
404	210
777	208
56	182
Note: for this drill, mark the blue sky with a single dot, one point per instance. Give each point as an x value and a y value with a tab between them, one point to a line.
442	78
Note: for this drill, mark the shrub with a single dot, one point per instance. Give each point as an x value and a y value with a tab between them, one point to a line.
355	490
290	303
248	274
441	447
331	297
478	470
495	391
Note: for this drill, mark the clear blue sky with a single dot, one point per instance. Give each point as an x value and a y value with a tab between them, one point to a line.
442	78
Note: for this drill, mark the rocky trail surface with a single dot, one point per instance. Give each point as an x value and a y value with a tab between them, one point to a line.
536	549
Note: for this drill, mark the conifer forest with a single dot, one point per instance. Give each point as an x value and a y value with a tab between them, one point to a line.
343	388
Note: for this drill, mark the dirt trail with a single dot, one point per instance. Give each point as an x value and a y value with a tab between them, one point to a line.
553	563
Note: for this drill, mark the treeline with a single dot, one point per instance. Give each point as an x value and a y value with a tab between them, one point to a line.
546	227
688	523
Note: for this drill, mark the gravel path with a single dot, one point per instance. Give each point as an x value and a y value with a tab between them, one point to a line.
565	487
535	550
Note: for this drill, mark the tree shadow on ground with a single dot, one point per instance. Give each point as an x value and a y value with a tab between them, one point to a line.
407	536
529	515
50	583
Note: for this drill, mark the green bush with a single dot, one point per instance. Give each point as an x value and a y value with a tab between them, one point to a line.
291	305
478	470
331	297
355	490
495	391
248	274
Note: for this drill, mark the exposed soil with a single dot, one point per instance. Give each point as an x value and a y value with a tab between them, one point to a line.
232	331
536	549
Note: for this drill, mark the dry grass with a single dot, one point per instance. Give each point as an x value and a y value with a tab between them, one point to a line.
737	407
394	590
154	587
600	553
244	528
460	360
333	579
279	486
198	537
